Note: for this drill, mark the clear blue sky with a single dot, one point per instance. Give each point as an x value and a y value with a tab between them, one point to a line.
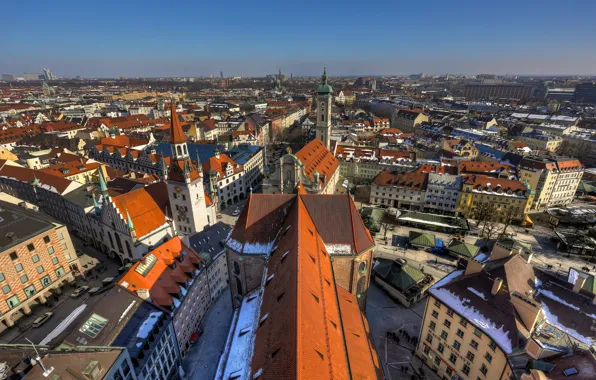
194	38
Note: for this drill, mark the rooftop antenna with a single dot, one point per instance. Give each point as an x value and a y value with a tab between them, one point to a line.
46	371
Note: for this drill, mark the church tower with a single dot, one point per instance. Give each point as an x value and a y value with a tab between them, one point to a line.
185	184
323	126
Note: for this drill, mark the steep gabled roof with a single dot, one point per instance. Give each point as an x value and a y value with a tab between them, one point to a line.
146	207
317	158
177	136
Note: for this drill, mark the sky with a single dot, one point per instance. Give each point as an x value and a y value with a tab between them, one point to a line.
253	38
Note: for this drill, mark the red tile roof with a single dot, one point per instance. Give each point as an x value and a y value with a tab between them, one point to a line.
61	185
495	183
439	169
409	180
302	334
220	164
317	158
146	207
162	280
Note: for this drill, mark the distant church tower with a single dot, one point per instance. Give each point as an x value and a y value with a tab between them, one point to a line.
324	94
185	185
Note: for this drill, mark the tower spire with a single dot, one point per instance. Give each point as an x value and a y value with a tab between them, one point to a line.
176	134
102	183
131	226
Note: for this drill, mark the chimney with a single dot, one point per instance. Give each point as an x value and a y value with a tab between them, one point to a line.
530	257
473	267
497	283
579	282
144	294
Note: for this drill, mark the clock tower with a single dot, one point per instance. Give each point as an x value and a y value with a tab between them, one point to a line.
185	185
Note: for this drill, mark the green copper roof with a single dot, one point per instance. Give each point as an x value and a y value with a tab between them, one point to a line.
462	248
102	183
424	240
324	88
131	226
401	277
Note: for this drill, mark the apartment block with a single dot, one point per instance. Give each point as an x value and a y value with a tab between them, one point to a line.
555	179
36	255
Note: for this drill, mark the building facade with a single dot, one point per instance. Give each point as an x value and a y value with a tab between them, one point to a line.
403	191
36	260
510	199
442	193
555	180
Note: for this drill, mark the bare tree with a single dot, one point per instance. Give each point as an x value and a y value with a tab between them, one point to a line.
387	221
483	213
507	216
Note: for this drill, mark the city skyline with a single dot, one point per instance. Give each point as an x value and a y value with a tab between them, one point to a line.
240	39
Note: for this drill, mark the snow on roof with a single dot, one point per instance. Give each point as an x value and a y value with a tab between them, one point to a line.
148	324
463	307
339	249
554	321
238	351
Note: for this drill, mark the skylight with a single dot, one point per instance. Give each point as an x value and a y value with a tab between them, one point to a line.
94	325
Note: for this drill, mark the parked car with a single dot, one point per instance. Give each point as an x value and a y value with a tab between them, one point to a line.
236	212
79	253
43	319
79	291
94	290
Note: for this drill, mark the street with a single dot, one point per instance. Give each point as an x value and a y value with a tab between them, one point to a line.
200	362
385	315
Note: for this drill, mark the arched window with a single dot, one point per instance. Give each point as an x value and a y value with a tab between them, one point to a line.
185	151
236	268
322	117
361	286
362	267
128	249
179	150
119	243
111	241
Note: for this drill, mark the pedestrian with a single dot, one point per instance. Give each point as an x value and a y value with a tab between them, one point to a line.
407	369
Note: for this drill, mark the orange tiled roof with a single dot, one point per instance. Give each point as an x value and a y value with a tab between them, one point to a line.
410	180
317	158
495	183
28	176
483	167
302	334
439	169
162	280
146	207
67	169
219	165
122	141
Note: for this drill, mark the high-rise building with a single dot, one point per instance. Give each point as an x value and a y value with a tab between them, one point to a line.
221	74
324	96
48	75
7	77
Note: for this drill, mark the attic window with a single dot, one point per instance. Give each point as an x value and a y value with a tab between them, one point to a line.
283	257
269	279
313	259
323	252
244	331
333	323
356	335
328	283
316	298
311	233
320	355
275	353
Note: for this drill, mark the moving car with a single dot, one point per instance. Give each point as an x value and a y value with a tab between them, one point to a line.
79	291
43	319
